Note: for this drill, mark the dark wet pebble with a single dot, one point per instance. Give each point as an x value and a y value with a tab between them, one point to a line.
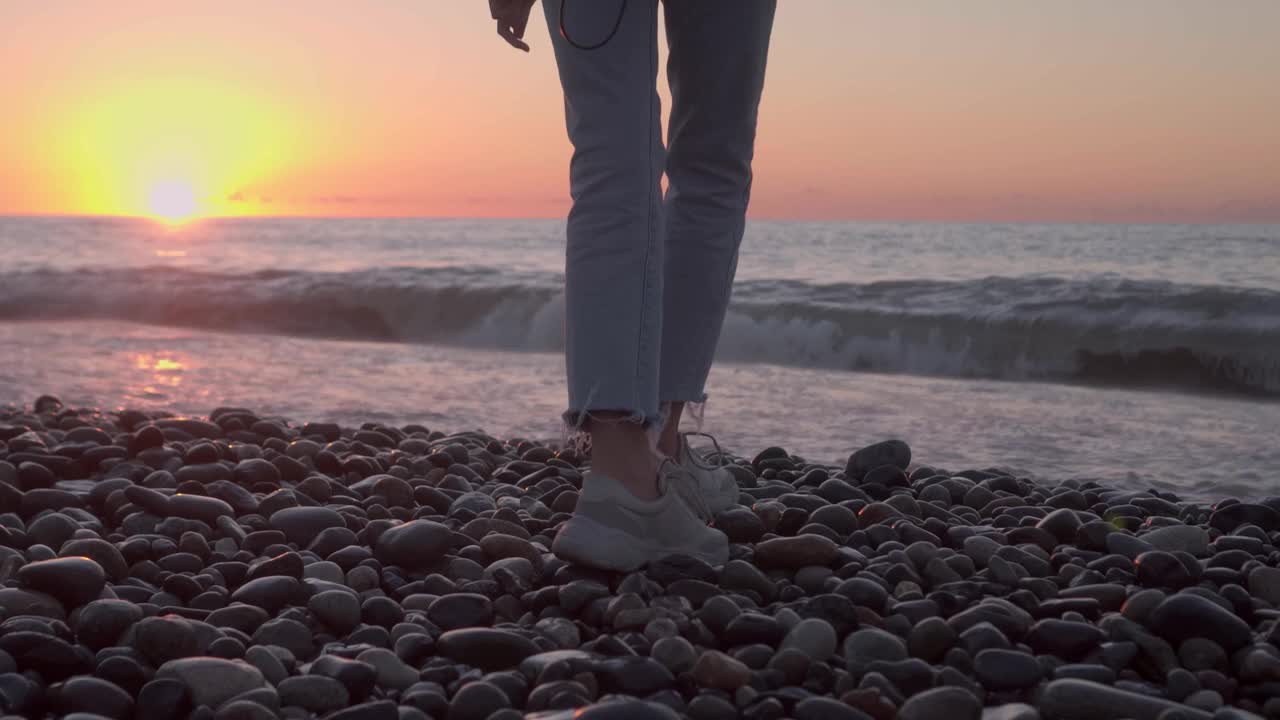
1186	615
486	648
316	693
477	701
161	639
639	676
680	567
357	677
165	698
740	524
1227	519
73	580
795	552
1072	699
1157	568
414	545
1007	669
270	593
949	702
753	628
91	694
199	507
302	524
1064	638
871	644
212	681
338	609
102	622
890	452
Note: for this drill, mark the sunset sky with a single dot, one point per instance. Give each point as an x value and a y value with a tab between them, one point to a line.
1164	110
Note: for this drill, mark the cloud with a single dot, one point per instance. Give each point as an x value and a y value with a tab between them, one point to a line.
344	199
243	198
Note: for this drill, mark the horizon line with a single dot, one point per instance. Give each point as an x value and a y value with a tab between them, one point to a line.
760	218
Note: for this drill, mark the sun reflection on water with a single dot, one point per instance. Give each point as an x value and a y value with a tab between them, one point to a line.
162	369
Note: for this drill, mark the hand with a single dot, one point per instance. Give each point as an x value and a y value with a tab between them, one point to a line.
513	18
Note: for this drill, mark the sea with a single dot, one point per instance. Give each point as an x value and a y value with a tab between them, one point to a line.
1143	356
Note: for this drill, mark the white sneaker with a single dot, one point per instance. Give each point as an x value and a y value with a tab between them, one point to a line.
611	529
714	483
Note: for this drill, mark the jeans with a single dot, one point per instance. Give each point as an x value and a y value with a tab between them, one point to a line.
647	276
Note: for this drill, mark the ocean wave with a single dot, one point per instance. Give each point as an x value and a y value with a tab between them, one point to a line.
1104	330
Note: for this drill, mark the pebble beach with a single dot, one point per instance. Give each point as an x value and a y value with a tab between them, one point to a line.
244	566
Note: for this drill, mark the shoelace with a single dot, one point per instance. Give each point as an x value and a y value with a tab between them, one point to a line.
686	486
698	458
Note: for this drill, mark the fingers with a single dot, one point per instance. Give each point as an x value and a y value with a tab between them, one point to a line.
513	19
511	36
521	19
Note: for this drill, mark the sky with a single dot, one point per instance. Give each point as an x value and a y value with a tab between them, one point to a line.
989	110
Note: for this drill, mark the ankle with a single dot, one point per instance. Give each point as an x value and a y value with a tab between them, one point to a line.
623	450
669	439
640	478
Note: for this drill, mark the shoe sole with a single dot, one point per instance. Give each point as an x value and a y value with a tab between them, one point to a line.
584	541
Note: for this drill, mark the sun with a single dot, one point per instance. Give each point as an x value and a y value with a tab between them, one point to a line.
172	202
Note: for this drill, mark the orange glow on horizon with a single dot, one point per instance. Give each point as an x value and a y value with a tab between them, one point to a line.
171	146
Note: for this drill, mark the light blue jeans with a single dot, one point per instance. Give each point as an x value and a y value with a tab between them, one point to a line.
648	277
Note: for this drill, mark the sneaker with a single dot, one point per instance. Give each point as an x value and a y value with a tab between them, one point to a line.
714	482
611	529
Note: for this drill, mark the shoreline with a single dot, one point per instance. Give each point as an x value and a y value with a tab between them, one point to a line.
294	570
1200	447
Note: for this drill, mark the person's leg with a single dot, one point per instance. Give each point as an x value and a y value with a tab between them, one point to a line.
716	68
669	439
622	449
613	268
